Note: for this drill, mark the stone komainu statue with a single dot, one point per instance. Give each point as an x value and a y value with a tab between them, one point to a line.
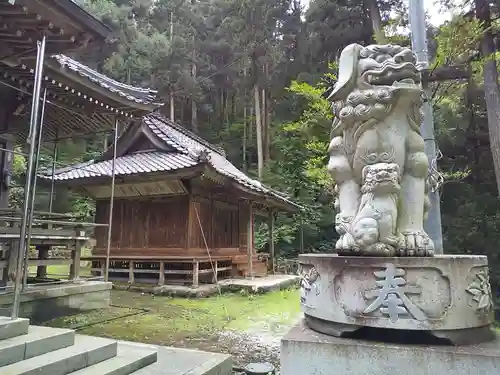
377	156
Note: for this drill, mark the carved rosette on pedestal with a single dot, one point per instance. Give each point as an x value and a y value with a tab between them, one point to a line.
448	295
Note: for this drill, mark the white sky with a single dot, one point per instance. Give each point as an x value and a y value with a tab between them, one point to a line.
435	13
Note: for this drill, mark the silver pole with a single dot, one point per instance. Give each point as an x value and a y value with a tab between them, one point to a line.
32	142
419	44
33	192
53	182
111	203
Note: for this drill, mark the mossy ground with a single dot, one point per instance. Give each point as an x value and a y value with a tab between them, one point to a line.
193	323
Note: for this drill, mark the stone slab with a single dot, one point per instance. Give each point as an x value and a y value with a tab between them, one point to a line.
176	361
86	351
442	294
13	327
307	352
256	285
41	303
129	359
38	341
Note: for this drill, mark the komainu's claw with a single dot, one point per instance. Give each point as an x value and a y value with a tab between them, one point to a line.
416	243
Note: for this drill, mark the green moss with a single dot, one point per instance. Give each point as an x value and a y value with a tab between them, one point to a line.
174	320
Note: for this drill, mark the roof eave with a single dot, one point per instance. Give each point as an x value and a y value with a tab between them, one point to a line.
269	199
139	109
94	25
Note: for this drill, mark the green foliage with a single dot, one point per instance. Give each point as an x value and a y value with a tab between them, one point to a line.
298	169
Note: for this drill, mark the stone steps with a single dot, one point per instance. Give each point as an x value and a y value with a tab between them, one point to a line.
12	328
85	352
127	361
33	350
37	341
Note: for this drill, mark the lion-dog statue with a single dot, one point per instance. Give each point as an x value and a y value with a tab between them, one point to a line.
377	155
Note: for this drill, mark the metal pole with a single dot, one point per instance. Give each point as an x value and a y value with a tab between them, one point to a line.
33	192
111	202
53	182
32	142
419	44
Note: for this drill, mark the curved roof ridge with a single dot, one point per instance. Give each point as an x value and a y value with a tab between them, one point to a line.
132	93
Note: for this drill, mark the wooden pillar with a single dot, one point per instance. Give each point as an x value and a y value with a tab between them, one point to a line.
9	272
6	159
250	241
43	253
192	223
271	240
196	269
131	279
161	279
74	268
10	103
215	271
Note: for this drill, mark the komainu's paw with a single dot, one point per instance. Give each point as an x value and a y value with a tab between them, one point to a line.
345	244
416	243
380	250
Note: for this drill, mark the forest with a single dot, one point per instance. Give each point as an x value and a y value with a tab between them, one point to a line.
249	75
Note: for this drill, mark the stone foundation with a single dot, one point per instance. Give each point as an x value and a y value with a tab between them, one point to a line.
306	352
48	302
447	295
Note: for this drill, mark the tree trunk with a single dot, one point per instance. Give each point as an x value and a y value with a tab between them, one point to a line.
194	107
263	120
172	103
491	89
245	126
258	131
268	129
378	28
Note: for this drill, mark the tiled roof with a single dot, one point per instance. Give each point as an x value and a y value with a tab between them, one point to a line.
140	162
187	148
131	93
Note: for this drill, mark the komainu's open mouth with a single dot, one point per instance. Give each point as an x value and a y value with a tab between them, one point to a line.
393	74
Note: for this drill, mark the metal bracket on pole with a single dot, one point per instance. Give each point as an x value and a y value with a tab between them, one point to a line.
29	173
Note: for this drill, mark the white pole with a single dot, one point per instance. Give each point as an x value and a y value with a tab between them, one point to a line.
419	44
32	138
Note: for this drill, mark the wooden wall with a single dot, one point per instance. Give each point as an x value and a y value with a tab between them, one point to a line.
141	223
170	226
173	222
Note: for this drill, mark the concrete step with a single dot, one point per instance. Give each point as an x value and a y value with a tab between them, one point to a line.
128	360
176	361
13	327
85	352
38	341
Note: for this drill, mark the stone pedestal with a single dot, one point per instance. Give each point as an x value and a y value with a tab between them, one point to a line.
307	352
447	295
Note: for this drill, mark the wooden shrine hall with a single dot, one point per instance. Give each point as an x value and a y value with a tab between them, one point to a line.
79	102
182	212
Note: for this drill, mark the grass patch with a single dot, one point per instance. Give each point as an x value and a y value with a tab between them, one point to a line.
60	271
174	320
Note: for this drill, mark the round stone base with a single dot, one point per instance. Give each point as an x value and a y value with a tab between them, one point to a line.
467	336
447	295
